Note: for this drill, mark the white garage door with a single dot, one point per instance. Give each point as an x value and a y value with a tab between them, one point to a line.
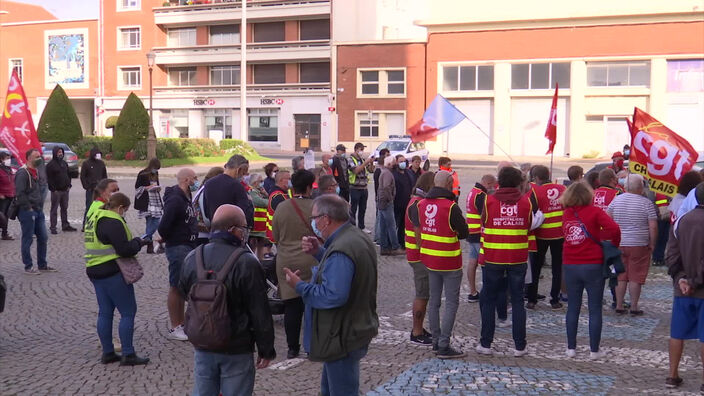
529	118
465	138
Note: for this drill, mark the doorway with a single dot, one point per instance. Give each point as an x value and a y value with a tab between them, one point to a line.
307	131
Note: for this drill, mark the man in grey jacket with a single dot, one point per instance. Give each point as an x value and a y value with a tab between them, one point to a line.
31	214
684	257
385	204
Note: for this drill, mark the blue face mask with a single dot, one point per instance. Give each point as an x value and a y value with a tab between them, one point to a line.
402	165
330	162
195	186
290	185
315	229
337	190
622	181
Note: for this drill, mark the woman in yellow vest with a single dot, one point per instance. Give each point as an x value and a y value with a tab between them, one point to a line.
101	193
107	238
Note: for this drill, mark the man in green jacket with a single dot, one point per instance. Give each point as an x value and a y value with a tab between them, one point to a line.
340	299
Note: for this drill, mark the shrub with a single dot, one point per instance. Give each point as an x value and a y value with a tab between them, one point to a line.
110	122
179	148
132	126
237	146
83	146
59	122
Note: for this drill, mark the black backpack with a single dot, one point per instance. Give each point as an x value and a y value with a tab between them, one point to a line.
208	324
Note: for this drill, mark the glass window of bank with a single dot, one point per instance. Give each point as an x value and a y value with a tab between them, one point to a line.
219	120
263	125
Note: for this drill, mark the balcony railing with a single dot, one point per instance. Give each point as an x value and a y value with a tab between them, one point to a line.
225	90
224	53
231	10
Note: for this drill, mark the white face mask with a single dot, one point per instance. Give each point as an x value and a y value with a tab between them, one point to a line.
6	162
98	156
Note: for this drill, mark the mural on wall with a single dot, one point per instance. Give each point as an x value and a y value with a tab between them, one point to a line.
66	54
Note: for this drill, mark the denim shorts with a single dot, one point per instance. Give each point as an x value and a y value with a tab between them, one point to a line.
687	319
420	280
474	250
175	255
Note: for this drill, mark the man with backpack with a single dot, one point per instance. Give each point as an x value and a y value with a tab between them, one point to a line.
228	311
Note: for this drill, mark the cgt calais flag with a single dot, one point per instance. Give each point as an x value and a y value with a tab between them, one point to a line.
440	116
17	131
551	130
659	154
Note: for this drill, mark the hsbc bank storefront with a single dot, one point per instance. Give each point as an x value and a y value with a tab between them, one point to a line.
274	122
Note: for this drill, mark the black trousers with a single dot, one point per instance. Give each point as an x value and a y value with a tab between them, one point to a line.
59	199
4	209
400	217
555	246
293	318
358	205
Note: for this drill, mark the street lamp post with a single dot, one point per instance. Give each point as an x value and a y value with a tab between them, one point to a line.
151	138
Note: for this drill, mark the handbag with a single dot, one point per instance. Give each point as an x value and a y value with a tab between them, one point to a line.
612	264
131	269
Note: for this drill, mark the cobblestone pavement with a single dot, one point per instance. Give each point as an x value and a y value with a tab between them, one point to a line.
49	346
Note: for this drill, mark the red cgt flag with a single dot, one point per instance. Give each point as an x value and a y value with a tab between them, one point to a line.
17	131
658	153
551	130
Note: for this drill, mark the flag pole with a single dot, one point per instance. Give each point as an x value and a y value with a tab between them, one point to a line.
552	155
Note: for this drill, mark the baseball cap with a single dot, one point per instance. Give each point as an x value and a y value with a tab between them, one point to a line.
359	146
617	154
341	147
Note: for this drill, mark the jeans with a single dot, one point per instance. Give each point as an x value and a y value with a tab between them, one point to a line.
152	226
175	255
59	199
89	201
32	223
377	227
341	377
451	282
502	301
358	200
113	292
555	246
492	278
293	317
400	217
388	238
579	277
218	373
663	236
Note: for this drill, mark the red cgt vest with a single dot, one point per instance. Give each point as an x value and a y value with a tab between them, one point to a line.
474	219
505	231
439	247
603	196
548	195
261	219
412	249
270	215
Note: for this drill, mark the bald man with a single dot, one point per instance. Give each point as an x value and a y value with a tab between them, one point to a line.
179	230
230	370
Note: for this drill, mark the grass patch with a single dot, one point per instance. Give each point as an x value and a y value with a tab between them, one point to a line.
167	162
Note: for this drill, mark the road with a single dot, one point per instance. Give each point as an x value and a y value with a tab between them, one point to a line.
49	346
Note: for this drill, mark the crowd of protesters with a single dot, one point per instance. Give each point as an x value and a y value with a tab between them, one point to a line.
311	224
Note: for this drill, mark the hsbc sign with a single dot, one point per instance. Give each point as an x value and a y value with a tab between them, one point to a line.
271	101
203	102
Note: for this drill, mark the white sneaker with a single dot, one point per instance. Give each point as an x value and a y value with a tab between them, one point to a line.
517	353
177	334
503	323
571	353
597	355
484	351
367	231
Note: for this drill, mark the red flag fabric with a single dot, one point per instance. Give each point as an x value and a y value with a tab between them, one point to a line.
17	131
551	130
658	153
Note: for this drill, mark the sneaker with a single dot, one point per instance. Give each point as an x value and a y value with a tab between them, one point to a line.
597	355
450	353
68	229
563	297
32	271
673	382
53	232
435	348
571	353
421	340
177	334
366	231
7	237
541	297
503	323
517	353
530	305
472	298
483	351
48	269
556	305
397	252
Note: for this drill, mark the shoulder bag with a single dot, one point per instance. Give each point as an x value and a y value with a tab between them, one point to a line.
131	269
612	264
303	219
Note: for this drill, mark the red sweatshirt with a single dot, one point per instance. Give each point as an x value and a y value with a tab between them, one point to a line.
578	247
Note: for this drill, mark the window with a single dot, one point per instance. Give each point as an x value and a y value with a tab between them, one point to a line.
128	4
182	76
318	72
224	75
540	75
270	74
219	120
685	75
618	74
263	125
225	34
467	78
316	29
269	31
130	77
15	65
181	37
130	38
372	124
382	82
179	121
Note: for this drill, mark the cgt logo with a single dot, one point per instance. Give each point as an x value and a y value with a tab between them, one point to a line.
430	212
509	210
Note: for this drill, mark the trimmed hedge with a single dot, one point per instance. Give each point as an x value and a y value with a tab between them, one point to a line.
132	127
83	146
59	122
237	146
180	148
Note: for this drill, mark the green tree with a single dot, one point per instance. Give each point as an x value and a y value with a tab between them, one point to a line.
132	126
59	122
